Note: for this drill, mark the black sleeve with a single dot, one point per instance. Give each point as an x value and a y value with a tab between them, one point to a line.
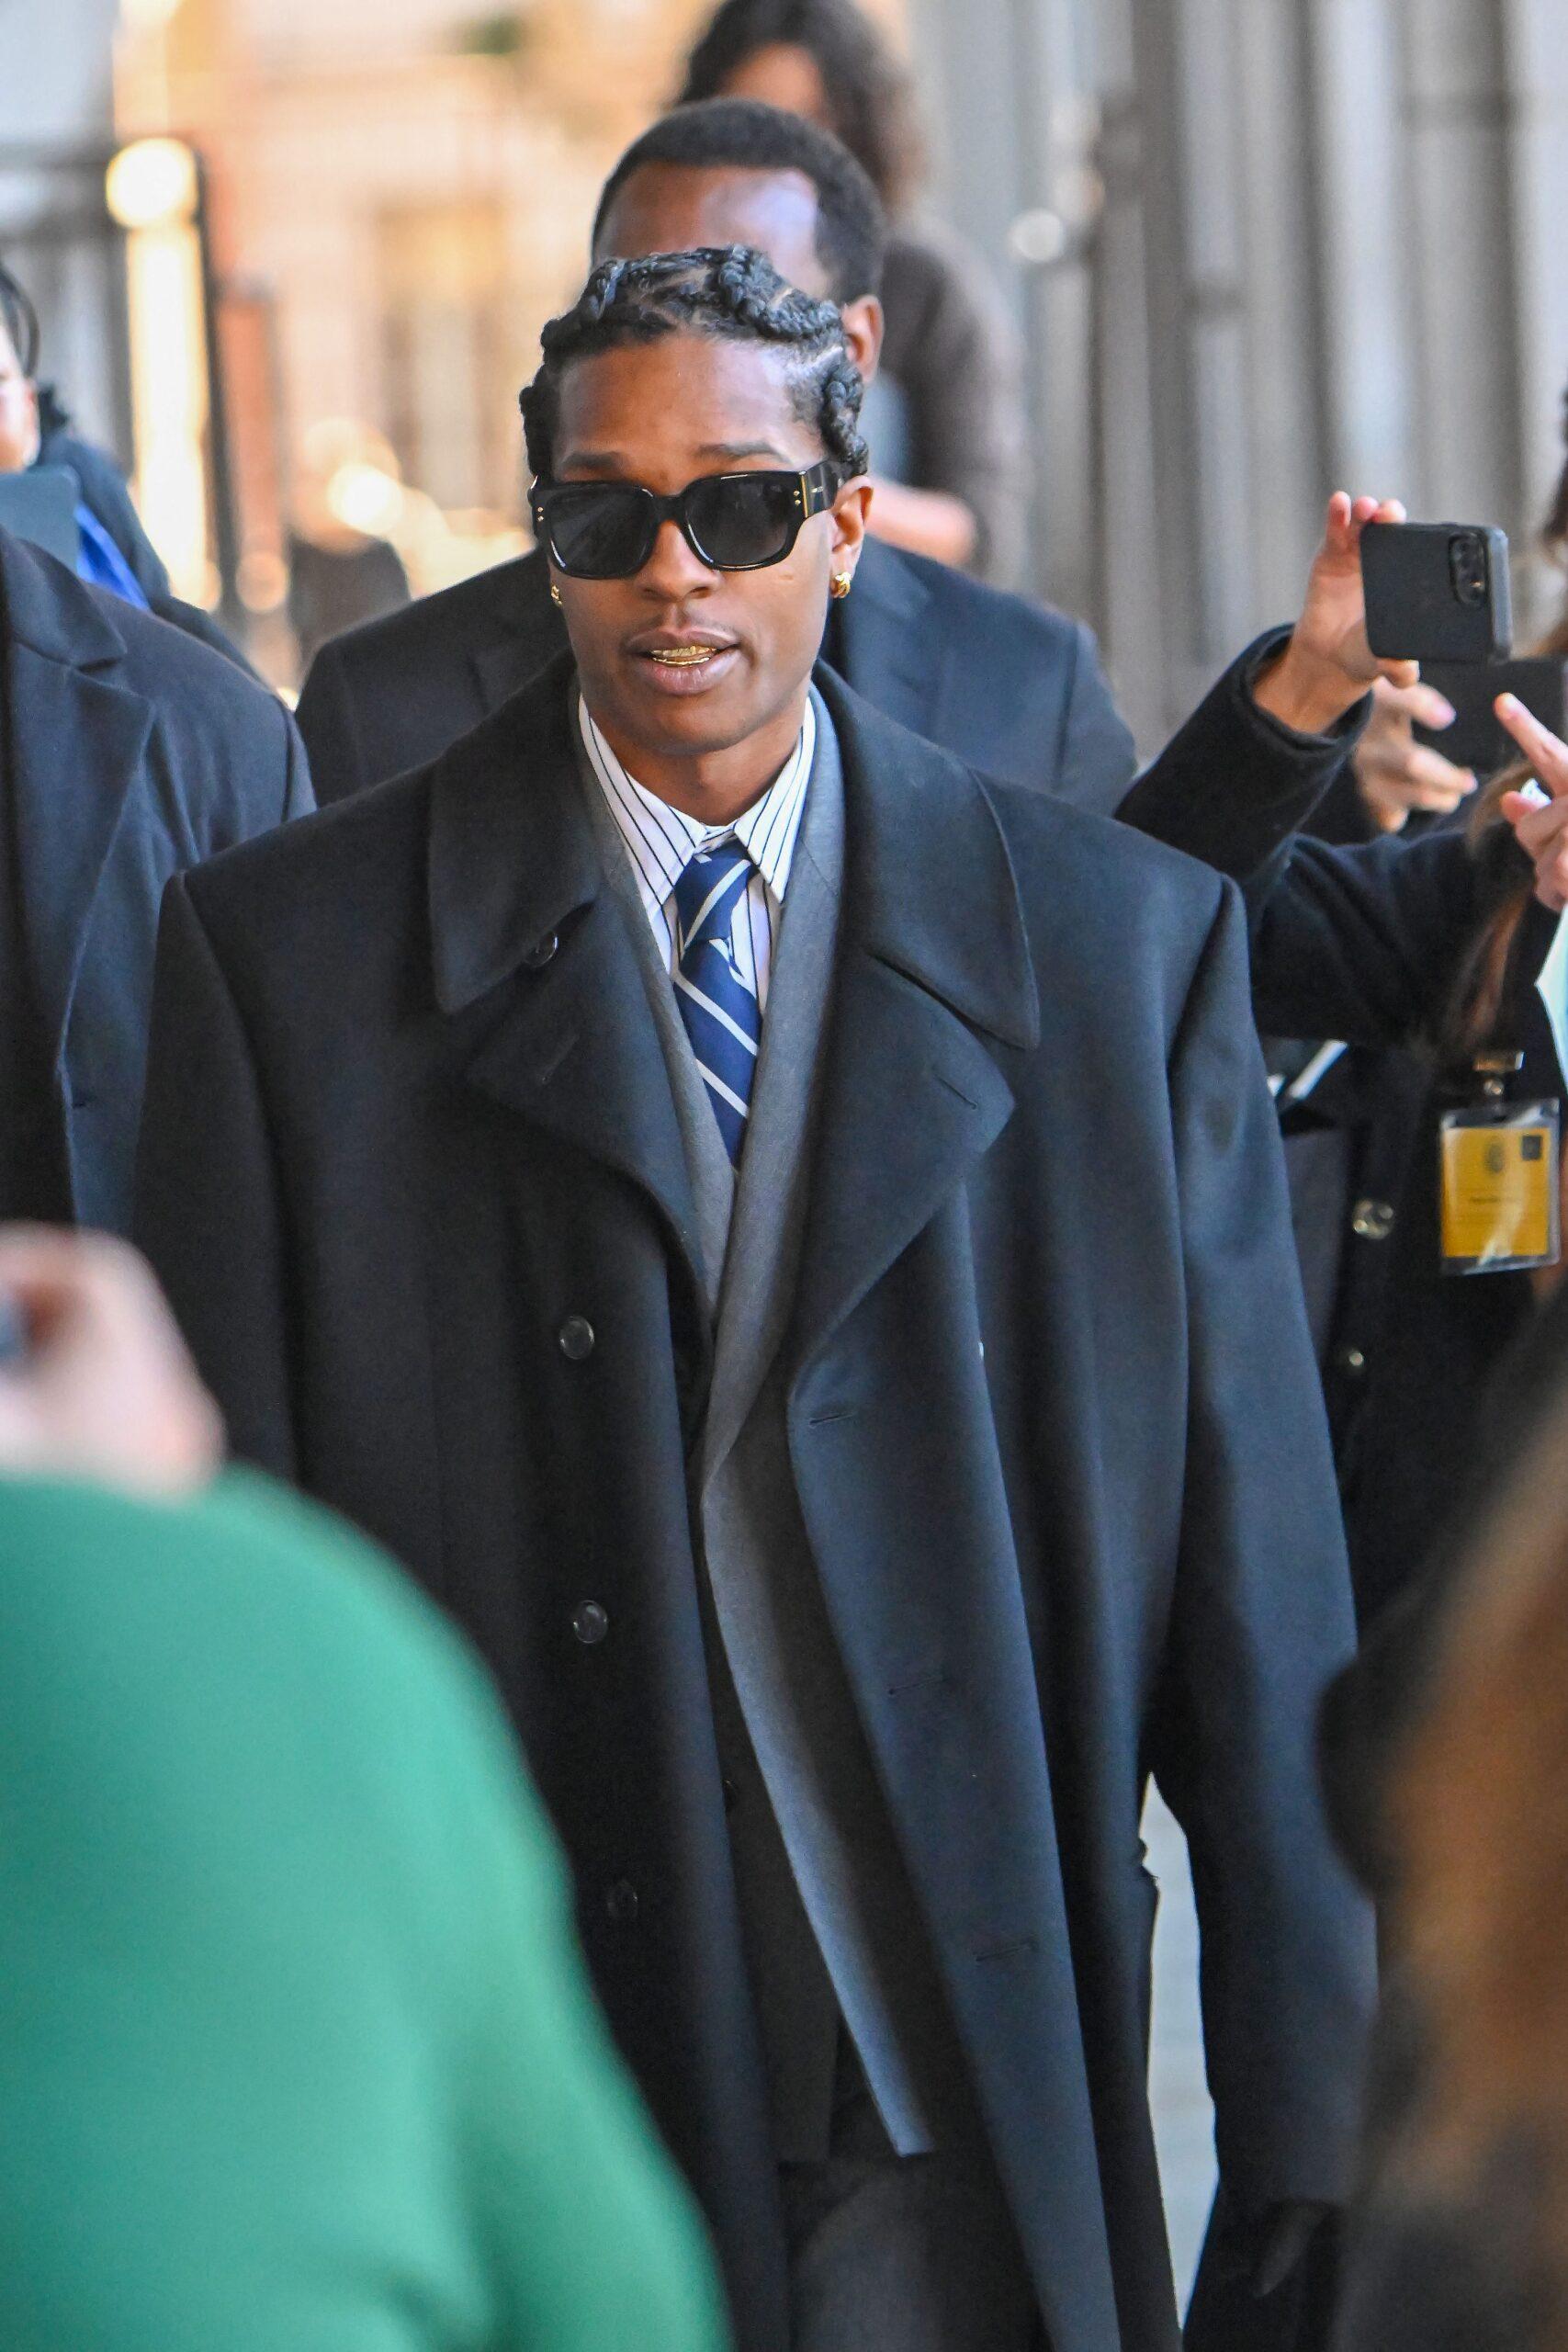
326	721
1360	942
1233	785
209	1212
1261	1618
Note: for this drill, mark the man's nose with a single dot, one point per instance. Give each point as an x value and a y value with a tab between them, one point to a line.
675	570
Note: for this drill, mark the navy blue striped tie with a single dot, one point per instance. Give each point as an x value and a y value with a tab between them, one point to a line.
722	1018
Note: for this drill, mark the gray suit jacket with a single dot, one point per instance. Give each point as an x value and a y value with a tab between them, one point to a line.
831	1923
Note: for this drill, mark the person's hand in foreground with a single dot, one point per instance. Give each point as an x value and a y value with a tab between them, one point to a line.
1539	814
100	1385
1397	776
1328	665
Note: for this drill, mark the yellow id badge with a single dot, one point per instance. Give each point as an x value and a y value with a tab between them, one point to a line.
1497	1167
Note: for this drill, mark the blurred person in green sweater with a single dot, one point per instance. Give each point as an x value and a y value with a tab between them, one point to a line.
295	2050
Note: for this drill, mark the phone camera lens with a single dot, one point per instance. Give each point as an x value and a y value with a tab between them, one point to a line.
1467	568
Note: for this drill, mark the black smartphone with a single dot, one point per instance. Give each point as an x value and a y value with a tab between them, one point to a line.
1437	592
1478	740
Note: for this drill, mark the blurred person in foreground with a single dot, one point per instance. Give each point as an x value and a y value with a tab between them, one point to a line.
127	752
945	420
296	2054
114	550
667	1169
1461	2235
1005	684
1433	943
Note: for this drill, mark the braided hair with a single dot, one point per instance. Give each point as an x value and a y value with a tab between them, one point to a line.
724	291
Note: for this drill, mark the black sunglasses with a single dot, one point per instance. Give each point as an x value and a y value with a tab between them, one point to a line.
606	530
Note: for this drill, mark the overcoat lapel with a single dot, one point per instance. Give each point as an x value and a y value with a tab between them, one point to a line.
885	648
65	715
934	961
520	913
531	635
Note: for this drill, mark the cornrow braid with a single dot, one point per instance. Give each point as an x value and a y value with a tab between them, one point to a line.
725	291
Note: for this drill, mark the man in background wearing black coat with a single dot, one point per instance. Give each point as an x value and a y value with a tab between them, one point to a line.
128	752
995	679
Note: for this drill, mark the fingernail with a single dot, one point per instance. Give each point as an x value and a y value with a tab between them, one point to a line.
1448	713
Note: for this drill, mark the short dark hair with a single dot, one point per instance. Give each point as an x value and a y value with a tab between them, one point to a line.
866	87
19	319
728	292
743	135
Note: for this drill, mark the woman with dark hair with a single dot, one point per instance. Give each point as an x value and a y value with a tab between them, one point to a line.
1433	943
944	419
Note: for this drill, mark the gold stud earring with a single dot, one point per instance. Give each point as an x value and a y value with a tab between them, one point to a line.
843	583
555	594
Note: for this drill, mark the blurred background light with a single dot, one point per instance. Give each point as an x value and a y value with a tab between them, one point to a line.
152	182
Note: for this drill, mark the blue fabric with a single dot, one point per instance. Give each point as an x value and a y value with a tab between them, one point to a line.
722	1018
100	563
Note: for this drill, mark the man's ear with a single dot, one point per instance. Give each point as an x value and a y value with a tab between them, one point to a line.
849	517
864	328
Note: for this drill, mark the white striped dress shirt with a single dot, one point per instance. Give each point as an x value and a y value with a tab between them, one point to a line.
660	842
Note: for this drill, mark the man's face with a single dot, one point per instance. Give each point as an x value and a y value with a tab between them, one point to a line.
19	411
663	414
679	208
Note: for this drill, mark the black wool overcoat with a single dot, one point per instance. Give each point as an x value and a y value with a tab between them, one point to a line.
412	1173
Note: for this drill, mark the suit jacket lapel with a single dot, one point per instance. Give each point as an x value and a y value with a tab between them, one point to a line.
530	636
883	647
67	720
531	952
934	965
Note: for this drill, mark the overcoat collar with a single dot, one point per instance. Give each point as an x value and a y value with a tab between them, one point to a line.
526	632
931	888
934	975
880	642
75	741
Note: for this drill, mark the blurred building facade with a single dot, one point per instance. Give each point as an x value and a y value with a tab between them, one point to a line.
1261	249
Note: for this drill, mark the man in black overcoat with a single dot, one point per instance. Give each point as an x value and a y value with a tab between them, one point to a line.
861	1470
127	752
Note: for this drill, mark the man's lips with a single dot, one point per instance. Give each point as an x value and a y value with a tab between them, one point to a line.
685	655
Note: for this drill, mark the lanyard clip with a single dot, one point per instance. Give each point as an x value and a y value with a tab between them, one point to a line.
1494	1070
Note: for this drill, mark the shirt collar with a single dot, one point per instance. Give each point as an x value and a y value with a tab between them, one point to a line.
661	841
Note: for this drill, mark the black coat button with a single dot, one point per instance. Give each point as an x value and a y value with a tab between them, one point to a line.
1371	1220
535	959
590	1622
621	1903
731	1794
576	1338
